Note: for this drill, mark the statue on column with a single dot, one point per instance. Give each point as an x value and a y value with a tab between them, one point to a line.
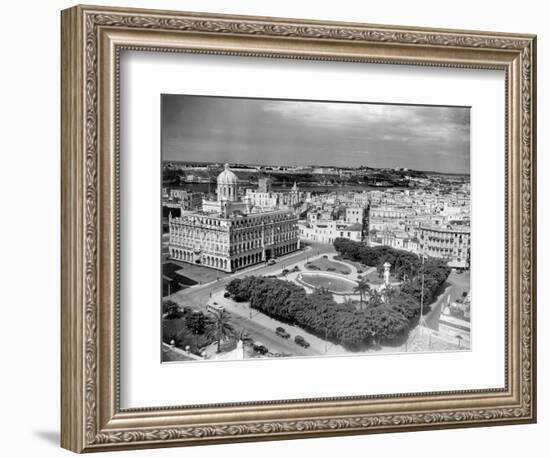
239	351
387	266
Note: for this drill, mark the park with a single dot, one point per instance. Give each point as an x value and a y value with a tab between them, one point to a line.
350	299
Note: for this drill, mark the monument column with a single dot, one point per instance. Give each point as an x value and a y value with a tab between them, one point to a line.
387	266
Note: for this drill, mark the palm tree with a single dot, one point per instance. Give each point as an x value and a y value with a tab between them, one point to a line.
375	298
362	288
170	309
196	322
388	293
402	268
349	301
220	328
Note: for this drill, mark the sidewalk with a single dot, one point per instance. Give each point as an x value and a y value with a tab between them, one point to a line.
250	269
292	276
243	309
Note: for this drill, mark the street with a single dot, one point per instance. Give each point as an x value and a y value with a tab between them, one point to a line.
458	283
261	328
197	297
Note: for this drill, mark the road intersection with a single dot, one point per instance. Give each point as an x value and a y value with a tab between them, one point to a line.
199	296
261	328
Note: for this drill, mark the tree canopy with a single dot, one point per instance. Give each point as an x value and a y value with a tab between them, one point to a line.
384	318
404	263
405	266
318	312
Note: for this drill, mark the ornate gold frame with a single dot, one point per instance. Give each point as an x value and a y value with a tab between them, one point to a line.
92	38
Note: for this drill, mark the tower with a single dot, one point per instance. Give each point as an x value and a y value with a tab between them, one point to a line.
264	184
294	194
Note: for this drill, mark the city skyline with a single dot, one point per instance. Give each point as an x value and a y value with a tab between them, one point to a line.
236	164
269	132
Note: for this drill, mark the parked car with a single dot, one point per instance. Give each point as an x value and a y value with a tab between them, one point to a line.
281	332
271	262
299	340
260	348
226	295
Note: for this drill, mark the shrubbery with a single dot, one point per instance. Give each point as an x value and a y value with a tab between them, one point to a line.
405	266
187	328
319	314
404	263
435	273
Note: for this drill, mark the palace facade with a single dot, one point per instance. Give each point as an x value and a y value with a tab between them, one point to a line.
230	234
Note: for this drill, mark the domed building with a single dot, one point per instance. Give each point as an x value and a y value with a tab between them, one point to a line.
227	185
229	233
227	201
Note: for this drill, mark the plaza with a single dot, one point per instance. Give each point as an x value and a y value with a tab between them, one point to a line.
262	328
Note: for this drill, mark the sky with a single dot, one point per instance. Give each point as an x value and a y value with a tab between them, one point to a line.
293	132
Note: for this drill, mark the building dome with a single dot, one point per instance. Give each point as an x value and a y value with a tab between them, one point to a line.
227	177
227	185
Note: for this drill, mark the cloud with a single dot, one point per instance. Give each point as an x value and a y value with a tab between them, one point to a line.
337	113
402	123
282	131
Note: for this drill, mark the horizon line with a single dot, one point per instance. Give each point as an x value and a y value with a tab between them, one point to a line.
318	165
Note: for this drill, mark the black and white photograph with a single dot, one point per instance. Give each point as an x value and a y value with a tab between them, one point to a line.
308	228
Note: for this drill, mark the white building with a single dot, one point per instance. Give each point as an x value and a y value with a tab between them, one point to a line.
264	197
326	231
229	234
451	243
355	214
